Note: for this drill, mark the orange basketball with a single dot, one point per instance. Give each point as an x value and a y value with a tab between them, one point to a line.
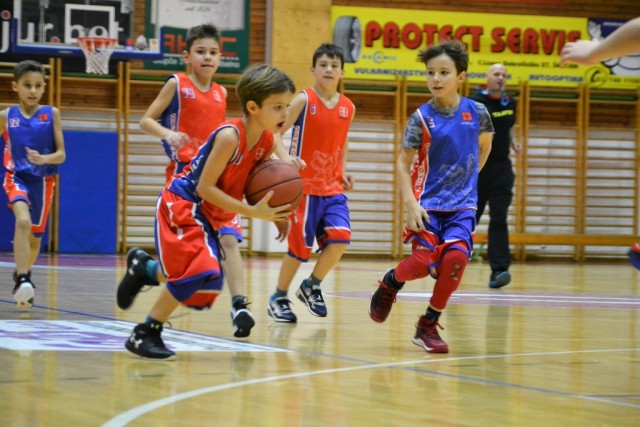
278	176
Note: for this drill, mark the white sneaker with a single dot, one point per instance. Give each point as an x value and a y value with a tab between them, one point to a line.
23	293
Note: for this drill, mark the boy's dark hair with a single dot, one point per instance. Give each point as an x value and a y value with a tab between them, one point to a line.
331	50
260	81
454	49
204	31
26	66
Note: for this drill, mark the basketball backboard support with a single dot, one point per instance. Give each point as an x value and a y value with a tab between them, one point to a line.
45	27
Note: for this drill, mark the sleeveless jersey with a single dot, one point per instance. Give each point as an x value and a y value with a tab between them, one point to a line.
193	112
233	178
445	174
318	136
35	132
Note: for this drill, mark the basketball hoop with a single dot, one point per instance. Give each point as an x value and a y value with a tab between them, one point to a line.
97	51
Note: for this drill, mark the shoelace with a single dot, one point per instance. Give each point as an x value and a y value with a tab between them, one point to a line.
283	305
316	297
430	328
388	295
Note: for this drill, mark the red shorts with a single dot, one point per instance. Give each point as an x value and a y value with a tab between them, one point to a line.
36	191
187	247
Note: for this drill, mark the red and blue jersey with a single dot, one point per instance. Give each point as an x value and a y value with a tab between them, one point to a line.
35	132
193	112
445	174
318	136
233	178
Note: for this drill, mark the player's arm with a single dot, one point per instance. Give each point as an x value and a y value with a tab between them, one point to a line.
225	145
149	121
415	212
484	142
348	181
623	41
293	112
57	156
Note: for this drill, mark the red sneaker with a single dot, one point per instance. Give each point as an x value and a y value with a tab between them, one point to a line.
427	336
381	301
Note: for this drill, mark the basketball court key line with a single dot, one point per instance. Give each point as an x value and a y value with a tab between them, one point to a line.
130	415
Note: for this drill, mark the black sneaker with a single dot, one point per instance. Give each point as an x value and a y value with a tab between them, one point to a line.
23	291
499	279
312	297
146	342
280	310
134	278
242	319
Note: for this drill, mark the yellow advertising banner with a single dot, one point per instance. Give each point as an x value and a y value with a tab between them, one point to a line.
381	44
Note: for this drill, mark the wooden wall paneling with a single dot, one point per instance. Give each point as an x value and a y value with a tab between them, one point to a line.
373	140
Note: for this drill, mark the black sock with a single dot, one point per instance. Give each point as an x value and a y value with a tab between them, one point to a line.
390	279
432	314
237	299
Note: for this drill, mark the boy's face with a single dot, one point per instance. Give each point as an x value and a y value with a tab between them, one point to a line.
30	88
273	112
328	70
442	76
204	57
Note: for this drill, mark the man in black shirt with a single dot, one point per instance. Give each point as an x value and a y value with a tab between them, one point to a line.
495	182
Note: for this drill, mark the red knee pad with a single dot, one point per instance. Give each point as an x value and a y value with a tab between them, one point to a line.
415	266
452	266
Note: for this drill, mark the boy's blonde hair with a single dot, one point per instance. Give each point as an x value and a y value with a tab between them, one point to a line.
260	81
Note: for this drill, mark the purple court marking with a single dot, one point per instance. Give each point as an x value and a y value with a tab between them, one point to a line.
550	300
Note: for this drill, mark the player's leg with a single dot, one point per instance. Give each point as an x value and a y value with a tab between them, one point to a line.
498	250
233	266
299	250
24	290
333	232
189	254
455	230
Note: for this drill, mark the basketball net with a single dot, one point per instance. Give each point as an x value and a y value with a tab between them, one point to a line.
97	51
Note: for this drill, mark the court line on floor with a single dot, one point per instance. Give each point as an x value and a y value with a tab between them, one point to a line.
130	415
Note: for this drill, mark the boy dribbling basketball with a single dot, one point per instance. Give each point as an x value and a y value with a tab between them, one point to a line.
193	207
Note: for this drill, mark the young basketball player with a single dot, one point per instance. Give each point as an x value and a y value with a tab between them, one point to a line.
451	136
196	203
188	108
320	117
34	149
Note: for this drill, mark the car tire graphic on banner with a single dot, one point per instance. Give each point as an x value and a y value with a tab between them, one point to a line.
347	34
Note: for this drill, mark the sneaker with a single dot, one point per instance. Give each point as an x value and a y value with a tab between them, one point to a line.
500	279
23	291
312	298
242	319
382	300
134	279
427	336
280	310
146	342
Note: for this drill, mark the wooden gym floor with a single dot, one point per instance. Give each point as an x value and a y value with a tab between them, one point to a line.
559	346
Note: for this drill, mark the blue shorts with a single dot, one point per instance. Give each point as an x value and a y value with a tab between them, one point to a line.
322	218
444	229
36	191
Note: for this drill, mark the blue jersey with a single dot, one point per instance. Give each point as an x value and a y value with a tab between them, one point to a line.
445	175
35	132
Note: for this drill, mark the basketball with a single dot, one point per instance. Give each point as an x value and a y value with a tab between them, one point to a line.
278	176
